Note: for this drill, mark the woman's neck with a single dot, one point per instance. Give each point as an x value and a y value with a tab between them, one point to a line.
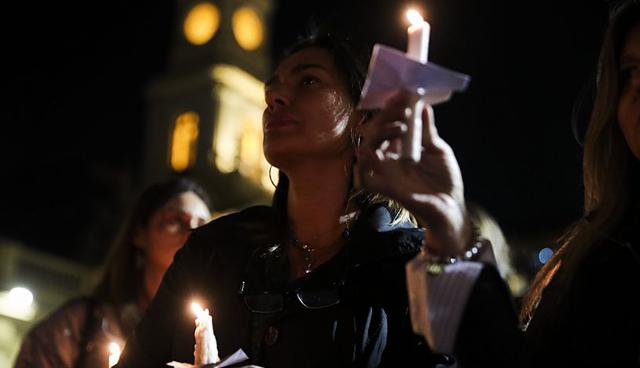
316	199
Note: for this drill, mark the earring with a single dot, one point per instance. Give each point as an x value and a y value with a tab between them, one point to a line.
271	178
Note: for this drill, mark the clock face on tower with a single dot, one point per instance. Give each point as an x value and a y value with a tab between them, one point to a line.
247	28
201	23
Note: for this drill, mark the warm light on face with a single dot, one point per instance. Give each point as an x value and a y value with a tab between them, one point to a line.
414	17
247	28
201	23
183	141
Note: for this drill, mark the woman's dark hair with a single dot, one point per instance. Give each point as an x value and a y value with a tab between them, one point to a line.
350	57
121	280
609	167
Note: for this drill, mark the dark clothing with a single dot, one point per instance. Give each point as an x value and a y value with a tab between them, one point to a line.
593	323
369	326
75	335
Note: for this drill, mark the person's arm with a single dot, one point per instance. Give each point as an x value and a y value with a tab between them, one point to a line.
38	352
55	341
442	300
431	189
153	342
604	323
465	309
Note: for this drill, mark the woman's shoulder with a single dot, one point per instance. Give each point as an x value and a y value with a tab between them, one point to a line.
57	335
607	278
614	258
249	216
240	228
68	316
378	230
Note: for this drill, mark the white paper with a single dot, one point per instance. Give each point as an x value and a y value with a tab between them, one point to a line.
391	70
235	358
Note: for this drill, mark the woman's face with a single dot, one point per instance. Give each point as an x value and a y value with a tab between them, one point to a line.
308	109
169	227
629	104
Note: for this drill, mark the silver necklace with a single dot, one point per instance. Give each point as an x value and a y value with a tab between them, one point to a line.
308	259
308	250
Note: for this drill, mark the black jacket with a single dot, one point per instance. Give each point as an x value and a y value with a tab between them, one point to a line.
369	327
594	322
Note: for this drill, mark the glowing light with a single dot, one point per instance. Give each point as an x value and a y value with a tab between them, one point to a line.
250	151
114	353
183	141
544	255
414	17
20	297
247	28
201	23
197	310
237	140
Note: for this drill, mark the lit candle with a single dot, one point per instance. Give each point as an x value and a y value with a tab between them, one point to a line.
418	50
418	37
206	349
114	354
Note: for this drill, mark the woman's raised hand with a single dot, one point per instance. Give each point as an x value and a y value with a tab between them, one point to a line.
431	189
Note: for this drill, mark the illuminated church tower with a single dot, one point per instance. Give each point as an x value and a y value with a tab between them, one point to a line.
204	115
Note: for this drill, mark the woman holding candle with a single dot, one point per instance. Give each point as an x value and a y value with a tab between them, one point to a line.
316	280
582	309
89	331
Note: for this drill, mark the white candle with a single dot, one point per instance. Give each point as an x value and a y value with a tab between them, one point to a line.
206	349
410	148
114	354
418	37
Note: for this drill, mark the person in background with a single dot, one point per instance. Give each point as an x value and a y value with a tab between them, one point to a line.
501	255
583	307
79	333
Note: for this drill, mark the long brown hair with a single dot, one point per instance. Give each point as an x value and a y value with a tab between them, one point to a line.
122	276
608	166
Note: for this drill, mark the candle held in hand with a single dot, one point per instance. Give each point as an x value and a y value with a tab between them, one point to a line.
114	354
410	147
206	348
418	37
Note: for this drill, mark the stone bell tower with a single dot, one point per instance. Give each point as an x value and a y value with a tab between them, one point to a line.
204	115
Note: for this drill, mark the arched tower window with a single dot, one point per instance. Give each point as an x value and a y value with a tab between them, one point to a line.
183	141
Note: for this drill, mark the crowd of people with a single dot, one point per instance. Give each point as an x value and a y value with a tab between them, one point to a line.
367	260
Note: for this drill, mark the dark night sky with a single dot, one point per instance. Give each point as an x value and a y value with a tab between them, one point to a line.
74	112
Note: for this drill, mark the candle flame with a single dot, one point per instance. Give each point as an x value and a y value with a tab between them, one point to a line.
414	17
114	348
114	354
197	309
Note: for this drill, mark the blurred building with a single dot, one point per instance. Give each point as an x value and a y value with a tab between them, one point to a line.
204	119
205	114
32	284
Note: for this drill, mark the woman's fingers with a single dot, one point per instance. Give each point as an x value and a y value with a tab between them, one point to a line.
385	125
430	137
376	136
